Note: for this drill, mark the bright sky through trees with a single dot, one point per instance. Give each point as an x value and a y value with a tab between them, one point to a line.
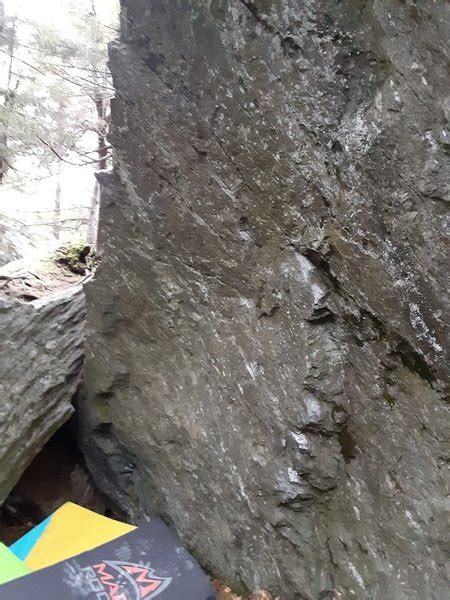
59	56
54	12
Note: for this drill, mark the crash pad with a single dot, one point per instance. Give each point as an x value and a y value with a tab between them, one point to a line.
146	563
23	547
71	530
10	566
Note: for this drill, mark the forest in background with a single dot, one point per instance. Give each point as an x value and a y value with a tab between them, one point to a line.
55	91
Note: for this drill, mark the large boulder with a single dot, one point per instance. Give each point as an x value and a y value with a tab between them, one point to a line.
266	348
41	354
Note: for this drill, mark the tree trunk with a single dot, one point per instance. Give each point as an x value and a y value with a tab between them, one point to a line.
3	149
101	104
9	95
2	15
92	222
57	208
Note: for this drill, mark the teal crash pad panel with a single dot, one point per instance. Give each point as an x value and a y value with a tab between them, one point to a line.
23	547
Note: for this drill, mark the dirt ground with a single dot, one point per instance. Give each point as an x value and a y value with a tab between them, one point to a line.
224	593
47	484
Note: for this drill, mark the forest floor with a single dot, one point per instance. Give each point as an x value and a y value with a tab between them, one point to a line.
224	593
46	485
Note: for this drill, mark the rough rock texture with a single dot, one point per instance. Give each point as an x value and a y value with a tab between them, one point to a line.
27	279
266	350
41	353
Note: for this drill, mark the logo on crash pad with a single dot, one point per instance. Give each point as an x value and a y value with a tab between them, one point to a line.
118	580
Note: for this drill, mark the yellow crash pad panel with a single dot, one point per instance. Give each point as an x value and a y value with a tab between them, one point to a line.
71	531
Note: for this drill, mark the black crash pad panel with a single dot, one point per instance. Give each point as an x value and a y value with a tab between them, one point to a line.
146	563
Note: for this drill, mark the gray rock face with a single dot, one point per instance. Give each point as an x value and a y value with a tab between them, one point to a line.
266	332
41	353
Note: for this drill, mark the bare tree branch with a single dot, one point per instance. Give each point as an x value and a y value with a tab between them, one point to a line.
61	158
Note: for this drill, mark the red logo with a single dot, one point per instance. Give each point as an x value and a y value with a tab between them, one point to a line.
118	580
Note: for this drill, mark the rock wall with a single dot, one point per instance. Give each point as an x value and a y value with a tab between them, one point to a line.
266	331
41	354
